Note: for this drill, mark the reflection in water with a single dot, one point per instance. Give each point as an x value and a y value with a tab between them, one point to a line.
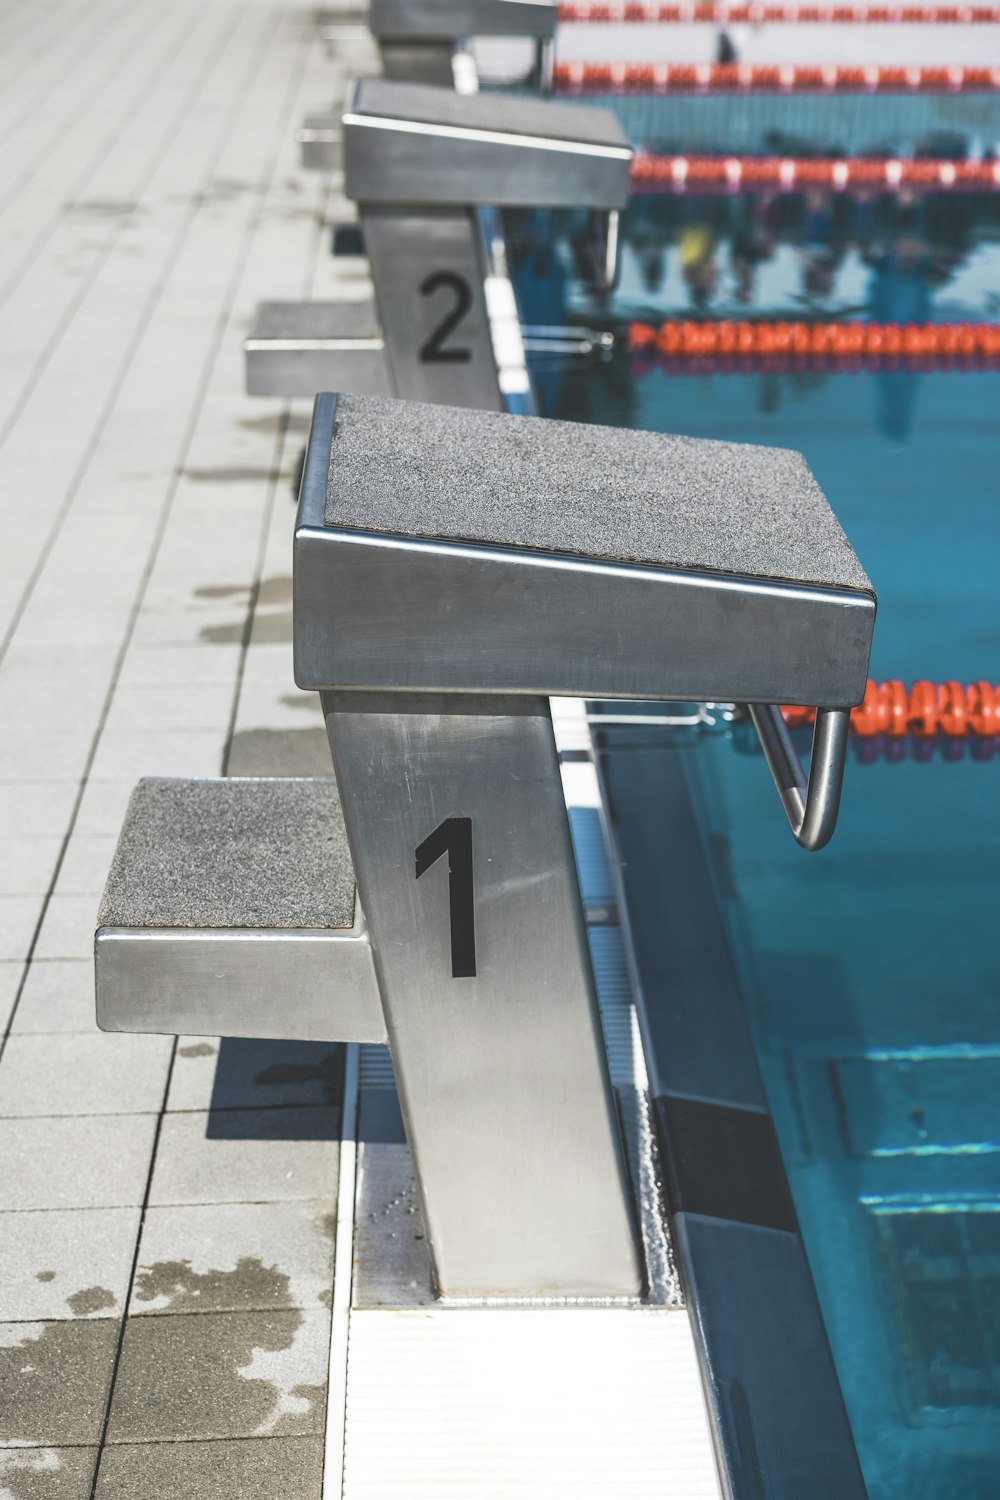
903	257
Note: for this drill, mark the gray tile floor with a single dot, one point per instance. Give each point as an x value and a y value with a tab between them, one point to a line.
150	195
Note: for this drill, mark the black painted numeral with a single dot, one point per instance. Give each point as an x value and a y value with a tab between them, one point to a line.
454	838
433	351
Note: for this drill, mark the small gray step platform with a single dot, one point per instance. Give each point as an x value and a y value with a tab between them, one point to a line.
231	909
453	550
299	348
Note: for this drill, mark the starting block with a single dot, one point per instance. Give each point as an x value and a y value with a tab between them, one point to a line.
429	169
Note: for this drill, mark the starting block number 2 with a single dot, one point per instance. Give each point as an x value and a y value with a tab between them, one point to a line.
454	838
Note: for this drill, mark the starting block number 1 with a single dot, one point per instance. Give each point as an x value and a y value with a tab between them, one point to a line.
454	838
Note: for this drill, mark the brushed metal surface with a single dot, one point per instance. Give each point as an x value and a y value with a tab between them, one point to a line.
294	984
376	611
384	612
321	142
449	20
420	263
397	158
297	349
502	1075
411	60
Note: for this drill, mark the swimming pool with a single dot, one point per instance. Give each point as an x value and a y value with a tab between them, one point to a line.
869	972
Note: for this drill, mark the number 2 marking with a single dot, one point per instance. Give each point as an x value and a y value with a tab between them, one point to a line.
454	838
433	352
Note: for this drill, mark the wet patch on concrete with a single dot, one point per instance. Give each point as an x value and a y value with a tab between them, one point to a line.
233	475
45	1276
197	1049
233	1257
46	1473
179	1289
54	1380
308	701
92	1299
280	752
289	1468
295	422
221	1375
272	616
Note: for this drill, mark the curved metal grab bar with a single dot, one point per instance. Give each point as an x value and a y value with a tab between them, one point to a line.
811	805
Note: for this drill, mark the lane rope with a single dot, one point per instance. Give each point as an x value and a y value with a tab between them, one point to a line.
758	15
579	78
678	174
740	345
923	711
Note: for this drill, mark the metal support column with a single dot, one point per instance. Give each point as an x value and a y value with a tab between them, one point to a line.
461	846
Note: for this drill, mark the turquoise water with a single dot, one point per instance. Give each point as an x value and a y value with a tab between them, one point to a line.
871	970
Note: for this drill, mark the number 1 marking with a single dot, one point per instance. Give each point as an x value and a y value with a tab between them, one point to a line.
454	838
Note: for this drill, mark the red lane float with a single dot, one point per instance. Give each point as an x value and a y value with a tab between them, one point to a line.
744	344
679	174
757	15
746	78
924	710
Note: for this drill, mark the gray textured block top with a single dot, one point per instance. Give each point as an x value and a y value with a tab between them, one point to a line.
426	105
436	472
316	320
231	853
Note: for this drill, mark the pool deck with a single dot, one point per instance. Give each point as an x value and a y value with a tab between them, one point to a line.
150	196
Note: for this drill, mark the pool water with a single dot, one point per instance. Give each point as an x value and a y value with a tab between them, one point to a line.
872	970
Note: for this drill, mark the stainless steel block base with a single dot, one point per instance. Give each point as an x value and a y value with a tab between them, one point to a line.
321	140
299	348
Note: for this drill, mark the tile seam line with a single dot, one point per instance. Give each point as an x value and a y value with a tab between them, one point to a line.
123	1321
16	122
160	1313
159	70
104	257
187	436
274	478
131	351
90	1208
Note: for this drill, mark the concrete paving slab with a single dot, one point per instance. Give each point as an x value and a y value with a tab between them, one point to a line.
54	1380
254	1469
47	1473
102	807
93	1074
27	864
35	809
151	705
67	928
85	866
58	995
72	1263
243	1073
96	1161
224	1257
133	753
264	1156
180	666
221	1375
18	920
